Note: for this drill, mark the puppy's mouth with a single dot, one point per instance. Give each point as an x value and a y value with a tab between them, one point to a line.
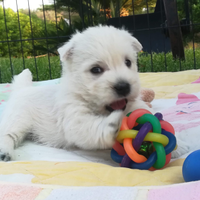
117	105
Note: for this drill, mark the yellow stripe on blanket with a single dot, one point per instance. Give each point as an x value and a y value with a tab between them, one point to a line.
93	174
169	84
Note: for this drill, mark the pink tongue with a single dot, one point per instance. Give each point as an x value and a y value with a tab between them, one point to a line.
118	105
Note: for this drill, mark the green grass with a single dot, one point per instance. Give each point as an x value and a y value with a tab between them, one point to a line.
161	62
158	63
42	64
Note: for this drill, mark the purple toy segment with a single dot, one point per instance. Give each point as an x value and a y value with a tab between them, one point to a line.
126	161
141	135
159	116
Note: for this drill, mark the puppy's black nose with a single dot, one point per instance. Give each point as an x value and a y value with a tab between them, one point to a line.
122	88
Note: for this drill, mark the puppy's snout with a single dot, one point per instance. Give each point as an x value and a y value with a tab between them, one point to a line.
122	88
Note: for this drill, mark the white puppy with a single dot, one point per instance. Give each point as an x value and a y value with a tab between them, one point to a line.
99	84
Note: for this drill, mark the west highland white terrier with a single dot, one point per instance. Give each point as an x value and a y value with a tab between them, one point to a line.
99	85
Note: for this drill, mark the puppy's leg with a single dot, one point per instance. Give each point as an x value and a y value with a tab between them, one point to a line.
92	131
110	127
14	126
15	120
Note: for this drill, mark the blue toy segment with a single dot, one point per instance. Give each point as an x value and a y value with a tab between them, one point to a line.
172	141
115	156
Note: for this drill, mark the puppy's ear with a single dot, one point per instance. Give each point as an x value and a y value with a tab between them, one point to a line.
66	51
136	45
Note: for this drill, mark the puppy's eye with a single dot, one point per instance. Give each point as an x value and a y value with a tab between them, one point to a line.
128	63
97	70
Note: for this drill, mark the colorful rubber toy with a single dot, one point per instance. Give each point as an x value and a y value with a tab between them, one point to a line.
145	141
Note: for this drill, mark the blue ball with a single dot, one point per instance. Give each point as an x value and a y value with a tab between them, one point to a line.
191	167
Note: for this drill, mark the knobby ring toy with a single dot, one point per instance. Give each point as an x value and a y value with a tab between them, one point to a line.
145	141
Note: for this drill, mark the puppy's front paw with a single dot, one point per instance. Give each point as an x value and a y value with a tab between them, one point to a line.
5	156
115	119
113	124
6	148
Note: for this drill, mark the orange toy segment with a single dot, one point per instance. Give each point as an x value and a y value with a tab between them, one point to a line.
131	151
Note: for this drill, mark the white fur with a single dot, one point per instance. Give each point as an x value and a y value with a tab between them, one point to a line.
73	113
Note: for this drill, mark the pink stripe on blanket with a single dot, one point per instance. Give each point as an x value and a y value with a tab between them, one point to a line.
178	192
186	98
197	81
18	192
